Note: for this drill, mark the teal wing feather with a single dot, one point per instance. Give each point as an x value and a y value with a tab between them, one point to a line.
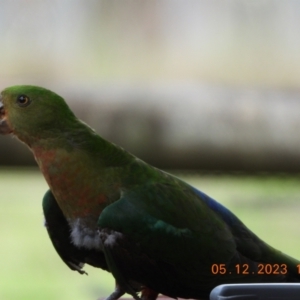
167	236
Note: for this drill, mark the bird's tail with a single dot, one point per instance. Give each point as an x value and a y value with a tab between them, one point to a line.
275	262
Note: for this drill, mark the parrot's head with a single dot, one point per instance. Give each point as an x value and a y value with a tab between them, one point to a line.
32	112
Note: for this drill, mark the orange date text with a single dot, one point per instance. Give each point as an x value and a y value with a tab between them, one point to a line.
244	269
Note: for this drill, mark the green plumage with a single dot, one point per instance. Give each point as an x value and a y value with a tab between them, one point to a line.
152	231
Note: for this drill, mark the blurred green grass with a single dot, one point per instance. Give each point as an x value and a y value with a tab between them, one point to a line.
31	269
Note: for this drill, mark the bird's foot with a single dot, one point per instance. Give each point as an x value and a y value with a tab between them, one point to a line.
148	294
117	293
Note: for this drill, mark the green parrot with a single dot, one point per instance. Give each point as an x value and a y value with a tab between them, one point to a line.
105	207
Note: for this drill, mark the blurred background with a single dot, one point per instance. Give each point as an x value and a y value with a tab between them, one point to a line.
207	89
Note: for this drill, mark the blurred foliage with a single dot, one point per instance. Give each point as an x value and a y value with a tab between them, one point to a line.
31	269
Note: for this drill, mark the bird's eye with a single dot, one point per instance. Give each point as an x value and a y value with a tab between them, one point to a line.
23	100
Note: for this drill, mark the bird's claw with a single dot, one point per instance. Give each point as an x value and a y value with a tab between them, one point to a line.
117	293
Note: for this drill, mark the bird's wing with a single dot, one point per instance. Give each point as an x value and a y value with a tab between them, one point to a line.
59	233
176	240
166	237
